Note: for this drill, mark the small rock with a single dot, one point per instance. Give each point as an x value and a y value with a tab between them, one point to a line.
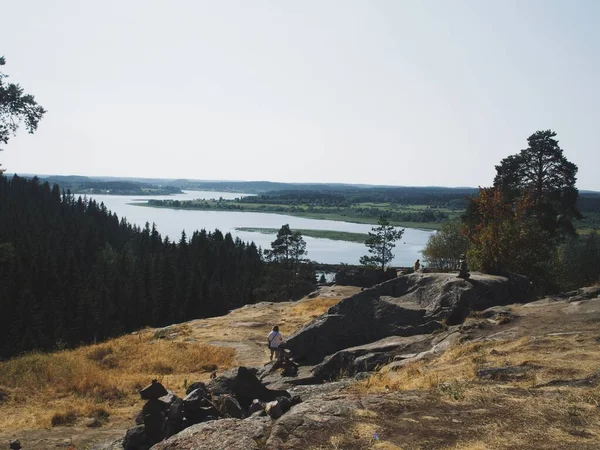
228	406
273	409
197	385
201	414
175	417
135	438
153	391
256	406
15	445
154	426
284	403
153	407
195	400
168	399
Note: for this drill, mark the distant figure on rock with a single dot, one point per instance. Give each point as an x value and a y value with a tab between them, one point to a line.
417	265
463	270
213	375
275	339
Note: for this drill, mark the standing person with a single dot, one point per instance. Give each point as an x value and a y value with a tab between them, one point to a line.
417	265
275	338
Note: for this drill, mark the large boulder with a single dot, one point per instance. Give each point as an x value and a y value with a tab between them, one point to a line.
153	391
244	386
225	434
419	303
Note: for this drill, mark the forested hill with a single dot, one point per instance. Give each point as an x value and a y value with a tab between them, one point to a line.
72	272
87	185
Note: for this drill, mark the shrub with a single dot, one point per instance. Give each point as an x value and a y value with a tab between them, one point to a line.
444	248
63	419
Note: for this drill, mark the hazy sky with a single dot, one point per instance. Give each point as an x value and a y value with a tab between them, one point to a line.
379	92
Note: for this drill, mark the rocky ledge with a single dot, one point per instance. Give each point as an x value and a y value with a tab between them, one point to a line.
415	304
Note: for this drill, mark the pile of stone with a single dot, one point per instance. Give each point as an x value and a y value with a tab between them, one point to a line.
236	394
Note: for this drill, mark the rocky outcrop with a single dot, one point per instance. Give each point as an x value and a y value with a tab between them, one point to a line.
414	304
316	416
232	396
244	386
370	357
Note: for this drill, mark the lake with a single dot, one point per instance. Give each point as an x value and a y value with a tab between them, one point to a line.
170	222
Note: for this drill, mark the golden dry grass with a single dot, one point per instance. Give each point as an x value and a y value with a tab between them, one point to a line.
61	387
519	413
309	309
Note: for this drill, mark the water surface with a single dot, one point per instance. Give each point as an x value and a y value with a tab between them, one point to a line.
170	222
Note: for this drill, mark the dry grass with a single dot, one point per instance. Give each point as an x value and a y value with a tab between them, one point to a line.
44	390
309	309
518	413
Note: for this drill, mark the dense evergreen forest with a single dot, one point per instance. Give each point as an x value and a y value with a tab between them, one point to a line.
71	272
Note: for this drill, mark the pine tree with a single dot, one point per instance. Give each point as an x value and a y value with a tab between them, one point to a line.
381	242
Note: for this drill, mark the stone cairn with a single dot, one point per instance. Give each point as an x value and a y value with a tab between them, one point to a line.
236	394
463	269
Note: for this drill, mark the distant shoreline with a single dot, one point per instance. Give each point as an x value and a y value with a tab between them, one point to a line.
423	226
334	235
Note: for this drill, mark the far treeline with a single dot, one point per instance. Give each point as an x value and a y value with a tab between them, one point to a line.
526	223
424	207
71	272
89	185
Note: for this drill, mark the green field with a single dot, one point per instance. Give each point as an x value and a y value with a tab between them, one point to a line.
320	234
346	214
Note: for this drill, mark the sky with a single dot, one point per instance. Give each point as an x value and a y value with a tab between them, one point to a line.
376	92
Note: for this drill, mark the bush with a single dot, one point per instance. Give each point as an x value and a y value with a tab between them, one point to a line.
64	418
444	248
579	259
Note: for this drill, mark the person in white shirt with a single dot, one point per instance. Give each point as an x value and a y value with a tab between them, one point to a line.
275	338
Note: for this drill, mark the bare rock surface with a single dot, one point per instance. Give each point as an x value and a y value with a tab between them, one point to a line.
369	357
319	414
225	434
405	306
